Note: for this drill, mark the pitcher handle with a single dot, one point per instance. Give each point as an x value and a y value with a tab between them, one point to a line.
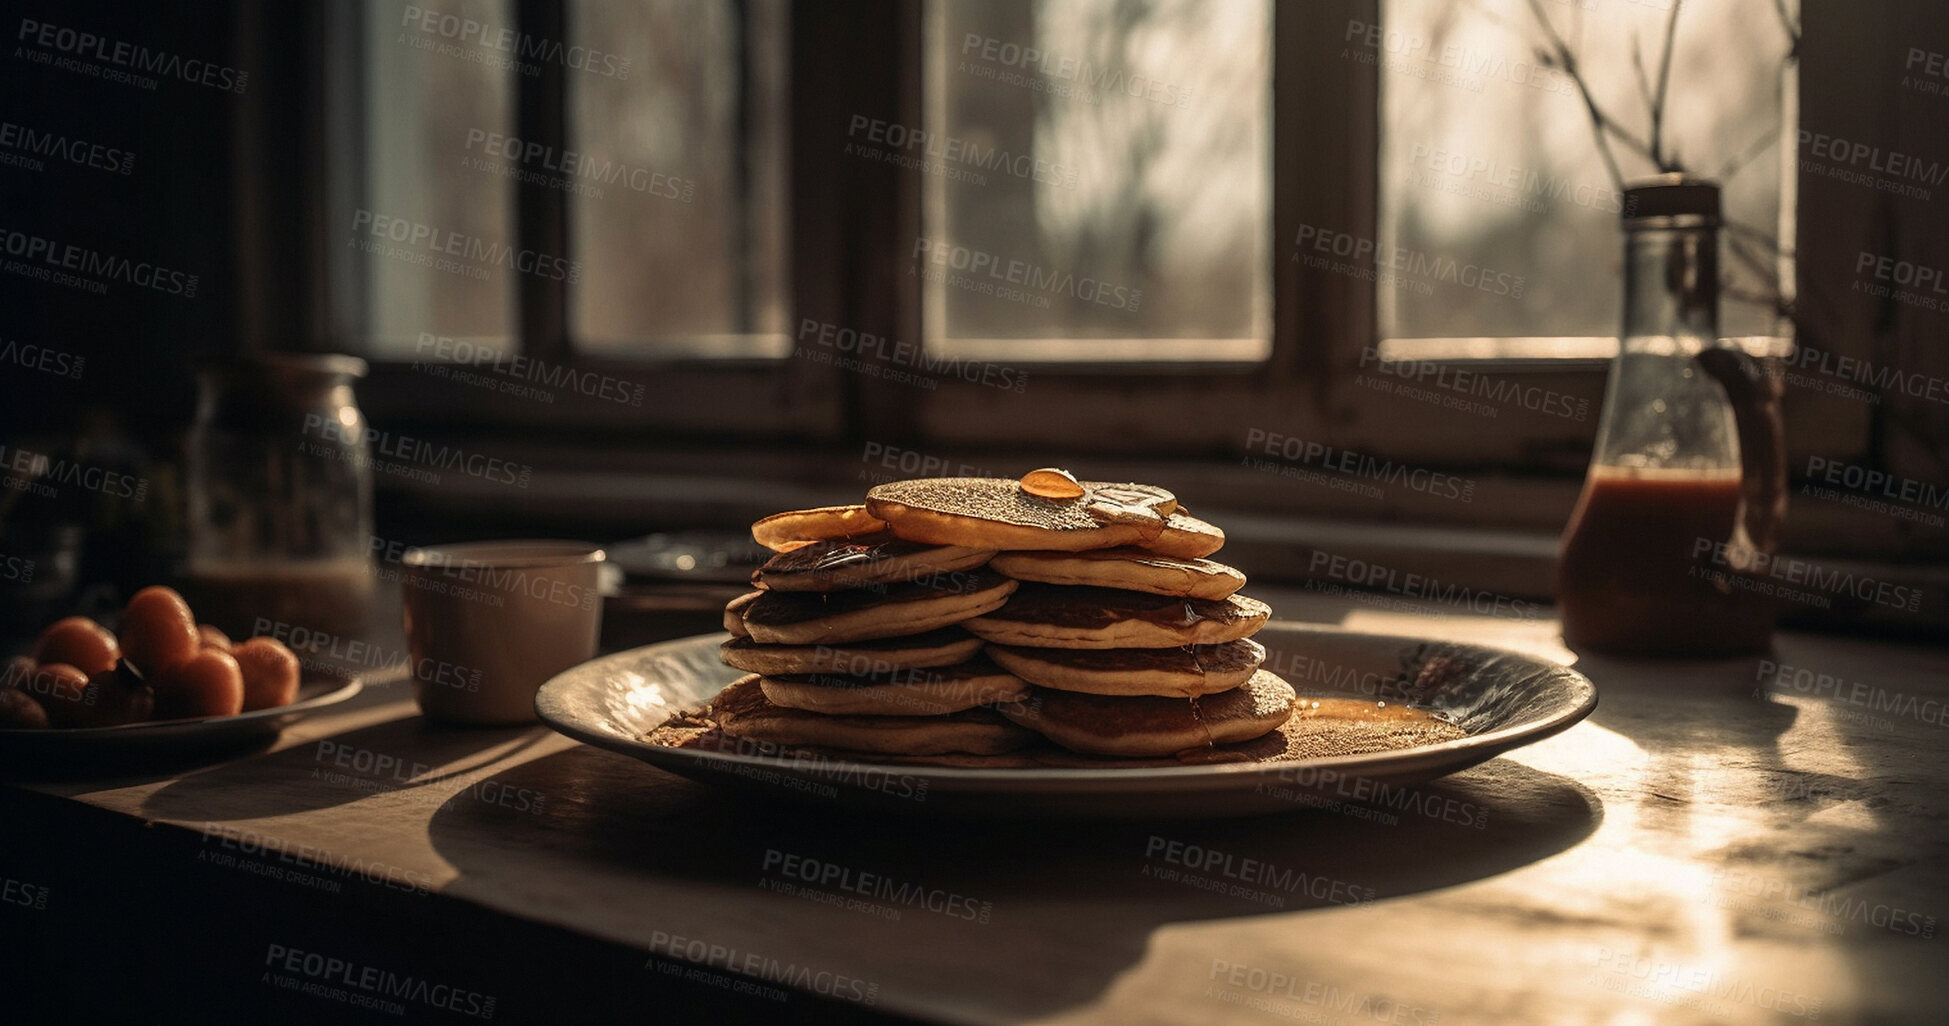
1755	386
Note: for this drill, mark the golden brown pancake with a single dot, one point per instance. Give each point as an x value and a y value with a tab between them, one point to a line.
1131	569
1186	537
839	563
734	613
742	711
1180	672
781	532
1054	616
943	647
996	513
1146	726
886	611
930	692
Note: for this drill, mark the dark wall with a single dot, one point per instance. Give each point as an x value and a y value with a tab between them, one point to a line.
214	185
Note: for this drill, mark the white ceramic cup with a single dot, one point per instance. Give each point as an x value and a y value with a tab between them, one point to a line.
487	623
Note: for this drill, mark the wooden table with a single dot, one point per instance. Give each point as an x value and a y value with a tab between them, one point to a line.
1731	841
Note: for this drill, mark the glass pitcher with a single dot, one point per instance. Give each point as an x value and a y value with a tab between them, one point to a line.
1688	478
280	497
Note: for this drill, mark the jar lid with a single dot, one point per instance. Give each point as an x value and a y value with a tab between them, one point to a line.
1681	200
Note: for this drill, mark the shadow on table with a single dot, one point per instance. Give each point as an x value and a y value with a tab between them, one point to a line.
1067	905
406	757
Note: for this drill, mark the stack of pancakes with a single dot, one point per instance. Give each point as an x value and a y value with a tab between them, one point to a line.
977	616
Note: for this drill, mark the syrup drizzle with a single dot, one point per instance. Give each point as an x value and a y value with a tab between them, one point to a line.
1051	483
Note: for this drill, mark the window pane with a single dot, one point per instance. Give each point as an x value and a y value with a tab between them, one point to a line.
677	201
1488	160
428	95
1095	170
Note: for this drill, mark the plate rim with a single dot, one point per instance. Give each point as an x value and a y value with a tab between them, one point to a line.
548	706
350	684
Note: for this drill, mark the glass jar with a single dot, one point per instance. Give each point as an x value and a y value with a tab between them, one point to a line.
280	497
1650	561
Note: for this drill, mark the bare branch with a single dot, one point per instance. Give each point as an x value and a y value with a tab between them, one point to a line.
1752	150
1600	123
1739	229
1644	81
1658	105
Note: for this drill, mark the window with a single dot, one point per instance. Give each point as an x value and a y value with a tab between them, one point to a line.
1105	167
678	218
425	116
858	213
1488	159
597	188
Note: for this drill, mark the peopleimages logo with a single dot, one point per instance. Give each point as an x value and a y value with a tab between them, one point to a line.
1871	698
988	273
381	983
1217	870
1001	53
45	258
822	982
527	377
86	46
1883	378
862	345
42	358
1528	188
901	139
1860	163
1398	266
29	142
42	474
1868	488
1300	453
1465	384
1752	568
517	44
529	155
432	243
891	892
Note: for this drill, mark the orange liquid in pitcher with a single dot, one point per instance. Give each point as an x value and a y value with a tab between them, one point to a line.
1636	575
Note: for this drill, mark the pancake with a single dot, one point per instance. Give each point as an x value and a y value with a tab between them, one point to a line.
928	692
996	513
781	532
839	563
1129	569
1181	672
734	613
1146	726
742	711
888	611
1054	616
943	647
1186	537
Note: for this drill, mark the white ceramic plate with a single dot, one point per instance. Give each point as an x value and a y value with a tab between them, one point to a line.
317	689
1503	699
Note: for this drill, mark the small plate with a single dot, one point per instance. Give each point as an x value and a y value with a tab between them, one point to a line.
316	690
1503	699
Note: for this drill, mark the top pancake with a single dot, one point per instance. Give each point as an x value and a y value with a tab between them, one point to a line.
996	513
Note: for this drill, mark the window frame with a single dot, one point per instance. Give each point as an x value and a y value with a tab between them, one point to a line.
849	219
